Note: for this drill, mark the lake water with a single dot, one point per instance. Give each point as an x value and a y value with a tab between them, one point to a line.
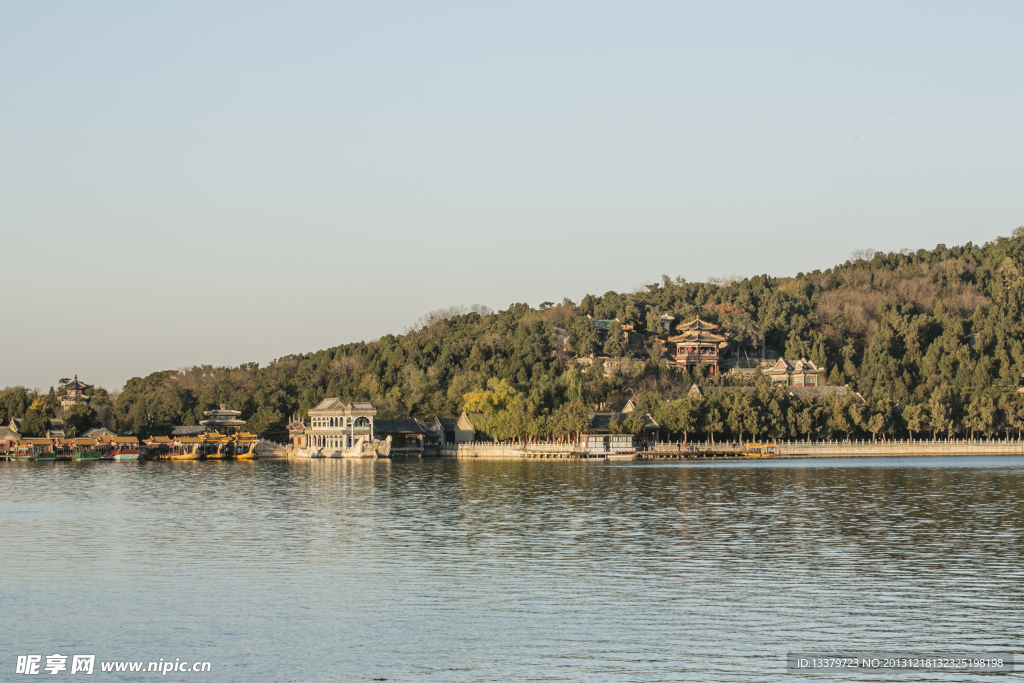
444	570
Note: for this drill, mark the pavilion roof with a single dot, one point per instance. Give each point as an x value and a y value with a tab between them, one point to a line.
696	324
75	385
222	412
696	336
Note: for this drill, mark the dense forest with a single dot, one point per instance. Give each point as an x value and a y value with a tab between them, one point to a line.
929	343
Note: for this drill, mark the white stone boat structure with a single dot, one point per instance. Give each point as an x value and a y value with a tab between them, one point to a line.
362	448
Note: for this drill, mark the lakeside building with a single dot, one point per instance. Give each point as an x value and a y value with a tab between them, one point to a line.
408	437
333	424
9	436
599	436
456	430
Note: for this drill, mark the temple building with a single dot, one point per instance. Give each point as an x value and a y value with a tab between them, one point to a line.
697	344
223	420
74	393
794	373
334	425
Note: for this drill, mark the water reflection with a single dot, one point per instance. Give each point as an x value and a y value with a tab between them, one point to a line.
490	570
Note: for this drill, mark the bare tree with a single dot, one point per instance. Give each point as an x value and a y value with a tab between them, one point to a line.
863	254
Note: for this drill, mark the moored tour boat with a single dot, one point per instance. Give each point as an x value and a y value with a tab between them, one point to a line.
86	449
244	446
759	450
216	446
184	448
124	448
33	449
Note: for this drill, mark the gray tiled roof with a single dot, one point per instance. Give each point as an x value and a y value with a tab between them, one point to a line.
188	430
97	432
397	427
329	403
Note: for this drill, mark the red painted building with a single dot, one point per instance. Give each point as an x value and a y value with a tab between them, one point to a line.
698	344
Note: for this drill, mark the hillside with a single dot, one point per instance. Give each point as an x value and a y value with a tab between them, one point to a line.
932	341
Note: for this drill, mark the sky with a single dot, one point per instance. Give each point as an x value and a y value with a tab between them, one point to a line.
187	183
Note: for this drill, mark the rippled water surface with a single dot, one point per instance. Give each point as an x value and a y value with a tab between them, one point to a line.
443	570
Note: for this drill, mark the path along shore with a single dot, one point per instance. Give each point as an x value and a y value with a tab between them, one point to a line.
783	449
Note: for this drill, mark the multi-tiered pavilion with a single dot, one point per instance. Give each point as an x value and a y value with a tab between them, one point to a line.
74	393
223	420
698	344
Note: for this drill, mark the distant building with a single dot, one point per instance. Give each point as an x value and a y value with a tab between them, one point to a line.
333	424
223	420
794	373
445	426
455	430
697	344
604	328
55	429
74	393
407	436
9	436
599	436
98	433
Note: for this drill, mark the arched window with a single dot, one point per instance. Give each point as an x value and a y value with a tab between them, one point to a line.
362	422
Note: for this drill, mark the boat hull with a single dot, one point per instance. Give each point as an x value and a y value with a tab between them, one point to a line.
87	455
126	456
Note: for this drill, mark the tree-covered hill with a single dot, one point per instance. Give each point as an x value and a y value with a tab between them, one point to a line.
932	341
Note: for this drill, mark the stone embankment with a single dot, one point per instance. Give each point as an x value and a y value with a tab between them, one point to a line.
855	448
783	449
521	450
707	450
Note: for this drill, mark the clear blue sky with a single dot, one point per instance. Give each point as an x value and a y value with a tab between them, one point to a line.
185	183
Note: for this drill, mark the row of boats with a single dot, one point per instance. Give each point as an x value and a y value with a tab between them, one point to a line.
209	446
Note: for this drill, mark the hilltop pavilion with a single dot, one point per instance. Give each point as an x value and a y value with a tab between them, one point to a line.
696	344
